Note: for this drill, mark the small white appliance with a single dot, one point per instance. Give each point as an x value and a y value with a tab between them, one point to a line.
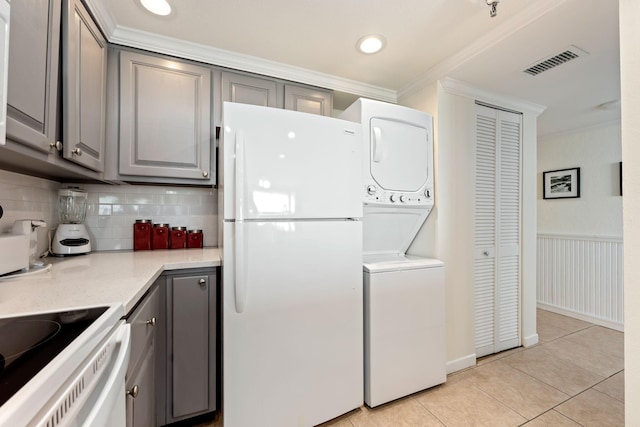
20	249
403	295
71	236
292	267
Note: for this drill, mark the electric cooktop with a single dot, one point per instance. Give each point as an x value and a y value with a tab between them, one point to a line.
29	343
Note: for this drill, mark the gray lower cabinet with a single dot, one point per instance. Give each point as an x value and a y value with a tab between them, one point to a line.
164	118
308	100
34	44
146	328
191	344
84	64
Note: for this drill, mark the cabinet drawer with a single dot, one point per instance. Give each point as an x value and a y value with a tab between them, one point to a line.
143	324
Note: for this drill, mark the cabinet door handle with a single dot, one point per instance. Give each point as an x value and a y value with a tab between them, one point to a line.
77	152
151	321
56	146
134	391
205	174
202	282
485	253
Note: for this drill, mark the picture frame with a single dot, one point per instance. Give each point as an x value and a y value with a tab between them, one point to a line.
561	184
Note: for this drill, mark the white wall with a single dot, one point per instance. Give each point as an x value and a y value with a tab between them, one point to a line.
448	235
630	88
580	265
598	211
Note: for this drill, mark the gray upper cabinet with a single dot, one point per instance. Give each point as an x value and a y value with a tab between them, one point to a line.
84	56
308	100
33	73
249	90
165	121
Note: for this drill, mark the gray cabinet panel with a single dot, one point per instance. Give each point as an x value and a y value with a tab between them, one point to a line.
141	410
308	100
146	323
165	128
248	90
33	72
191	344
84	84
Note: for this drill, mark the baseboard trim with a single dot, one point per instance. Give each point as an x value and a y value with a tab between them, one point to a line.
461	363
530	340
606	323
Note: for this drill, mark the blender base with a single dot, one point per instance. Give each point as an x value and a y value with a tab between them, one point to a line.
71	239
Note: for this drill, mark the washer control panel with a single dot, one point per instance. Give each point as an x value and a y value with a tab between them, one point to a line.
375	194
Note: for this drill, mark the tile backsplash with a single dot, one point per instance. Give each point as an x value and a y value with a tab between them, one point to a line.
112	209
26	197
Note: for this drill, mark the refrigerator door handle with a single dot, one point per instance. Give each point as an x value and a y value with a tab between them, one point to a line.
377	144
239	175
240	262
240	283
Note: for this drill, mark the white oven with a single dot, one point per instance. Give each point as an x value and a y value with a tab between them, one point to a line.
64	368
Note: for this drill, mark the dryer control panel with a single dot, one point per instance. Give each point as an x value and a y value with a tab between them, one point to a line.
377	195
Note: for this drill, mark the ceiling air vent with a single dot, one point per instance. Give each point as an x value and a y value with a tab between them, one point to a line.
572	52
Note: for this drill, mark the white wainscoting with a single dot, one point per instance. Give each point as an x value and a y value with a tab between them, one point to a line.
581	276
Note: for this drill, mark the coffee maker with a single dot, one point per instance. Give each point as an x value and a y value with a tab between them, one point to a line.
71	236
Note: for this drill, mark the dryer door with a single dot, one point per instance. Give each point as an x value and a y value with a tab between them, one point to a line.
399	155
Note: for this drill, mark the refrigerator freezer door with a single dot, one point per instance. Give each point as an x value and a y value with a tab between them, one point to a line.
281	164
293	356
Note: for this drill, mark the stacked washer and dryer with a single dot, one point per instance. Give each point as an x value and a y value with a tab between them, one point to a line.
404	295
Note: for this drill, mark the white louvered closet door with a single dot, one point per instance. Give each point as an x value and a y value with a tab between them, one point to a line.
497	230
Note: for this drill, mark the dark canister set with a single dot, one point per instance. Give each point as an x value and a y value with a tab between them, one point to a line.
147	236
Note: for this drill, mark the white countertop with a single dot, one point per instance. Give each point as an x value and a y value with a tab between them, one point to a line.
98	278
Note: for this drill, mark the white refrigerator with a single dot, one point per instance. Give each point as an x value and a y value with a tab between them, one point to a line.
292	267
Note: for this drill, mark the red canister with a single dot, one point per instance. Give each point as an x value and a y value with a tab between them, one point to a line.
178	239
194	239
142	235
160	236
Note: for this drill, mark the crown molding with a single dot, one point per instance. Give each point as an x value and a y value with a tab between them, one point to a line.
224	58
457	87
102	15
537	9
126	36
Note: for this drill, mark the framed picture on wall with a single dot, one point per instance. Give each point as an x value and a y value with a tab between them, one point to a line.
561	184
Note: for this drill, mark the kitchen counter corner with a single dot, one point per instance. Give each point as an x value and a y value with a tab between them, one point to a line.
98	278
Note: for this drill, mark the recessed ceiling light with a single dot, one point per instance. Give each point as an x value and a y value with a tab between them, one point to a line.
371	43
159	7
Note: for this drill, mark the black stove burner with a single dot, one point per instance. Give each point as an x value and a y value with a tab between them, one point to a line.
29	343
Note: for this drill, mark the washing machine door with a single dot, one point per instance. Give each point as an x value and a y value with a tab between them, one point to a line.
399	154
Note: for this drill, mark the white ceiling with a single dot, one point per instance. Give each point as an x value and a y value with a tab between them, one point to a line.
314	42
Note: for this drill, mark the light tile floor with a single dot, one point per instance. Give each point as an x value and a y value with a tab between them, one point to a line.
573	377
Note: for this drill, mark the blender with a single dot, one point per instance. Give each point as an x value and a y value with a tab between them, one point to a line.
71	236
